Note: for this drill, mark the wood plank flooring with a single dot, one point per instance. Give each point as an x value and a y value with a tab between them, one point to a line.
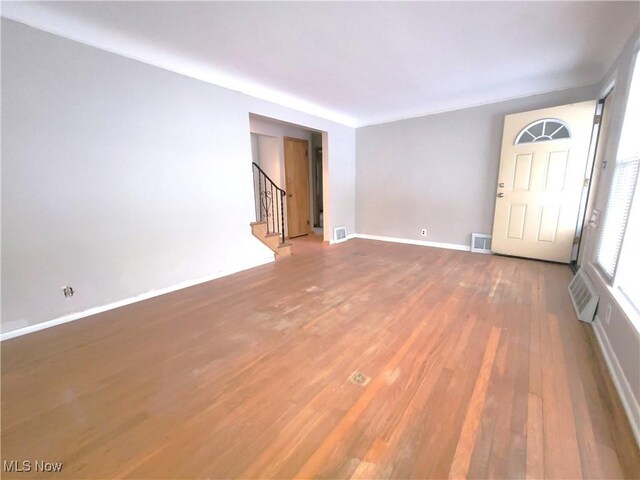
478	368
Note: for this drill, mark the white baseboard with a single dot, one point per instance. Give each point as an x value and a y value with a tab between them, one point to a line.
349	237
121	303
629	401
423	243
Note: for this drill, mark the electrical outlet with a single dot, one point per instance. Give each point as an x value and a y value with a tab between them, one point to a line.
423	232
68	292
607	318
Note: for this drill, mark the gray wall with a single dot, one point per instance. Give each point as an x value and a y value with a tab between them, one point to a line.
119	178
621	334
439	171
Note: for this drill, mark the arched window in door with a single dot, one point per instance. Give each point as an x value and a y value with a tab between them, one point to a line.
543	131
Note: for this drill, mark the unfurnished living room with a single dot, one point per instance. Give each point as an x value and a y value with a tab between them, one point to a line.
336	240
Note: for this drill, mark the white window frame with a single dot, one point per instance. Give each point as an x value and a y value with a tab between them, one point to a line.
631	309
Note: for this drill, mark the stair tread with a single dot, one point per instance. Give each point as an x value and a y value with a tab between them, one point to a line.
271	239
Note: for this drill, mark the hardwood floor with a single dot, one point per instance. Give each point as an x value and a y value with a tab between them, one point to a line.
477	368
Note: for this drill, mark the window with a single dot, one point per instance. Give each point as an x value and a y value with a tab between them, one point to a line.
627	276
613	227
543	130
618	254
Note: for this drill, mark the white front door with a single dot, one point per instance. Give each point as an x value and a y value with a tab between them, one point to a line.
542	172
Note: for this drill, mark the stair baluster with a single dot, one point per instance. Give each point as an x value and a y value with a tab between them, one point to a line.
269	201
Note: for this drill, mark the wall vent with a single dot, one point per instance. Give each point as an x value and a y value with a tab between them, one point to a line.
480	243
583	296
339	234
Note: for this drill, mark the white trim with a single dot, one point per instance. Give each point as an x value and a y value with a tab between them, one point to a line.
610	85
408	241
617	296
349	237
629	402
121	303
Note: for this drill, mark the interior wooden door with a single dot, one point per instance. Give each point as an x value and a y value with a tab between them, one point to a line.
542	172
296	167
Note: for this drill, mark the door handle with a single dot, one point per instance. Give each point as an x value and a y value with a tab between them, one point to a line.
500	195
501	185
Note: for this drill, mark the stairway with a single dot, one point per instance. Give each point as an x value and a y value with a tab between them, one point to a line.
271	240
269	203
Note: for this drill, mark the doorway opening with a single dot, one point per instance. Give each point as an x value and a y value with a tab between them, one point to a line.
595	164
316	176
292	156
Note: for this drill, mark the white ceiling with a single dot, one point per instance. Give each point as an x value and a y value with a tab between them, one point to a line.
358	63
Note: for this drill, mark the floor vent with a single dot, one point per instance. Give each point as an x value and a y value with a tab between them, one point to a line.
359	378
339	234
480	243
583	296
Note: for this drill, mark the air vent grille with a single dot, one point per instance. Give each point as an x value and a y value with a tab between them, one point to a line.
480	243
340	234
583	296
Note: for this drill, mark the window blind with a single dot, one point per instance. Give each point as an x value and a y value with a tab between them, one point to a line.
629	263
620	202
616	216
